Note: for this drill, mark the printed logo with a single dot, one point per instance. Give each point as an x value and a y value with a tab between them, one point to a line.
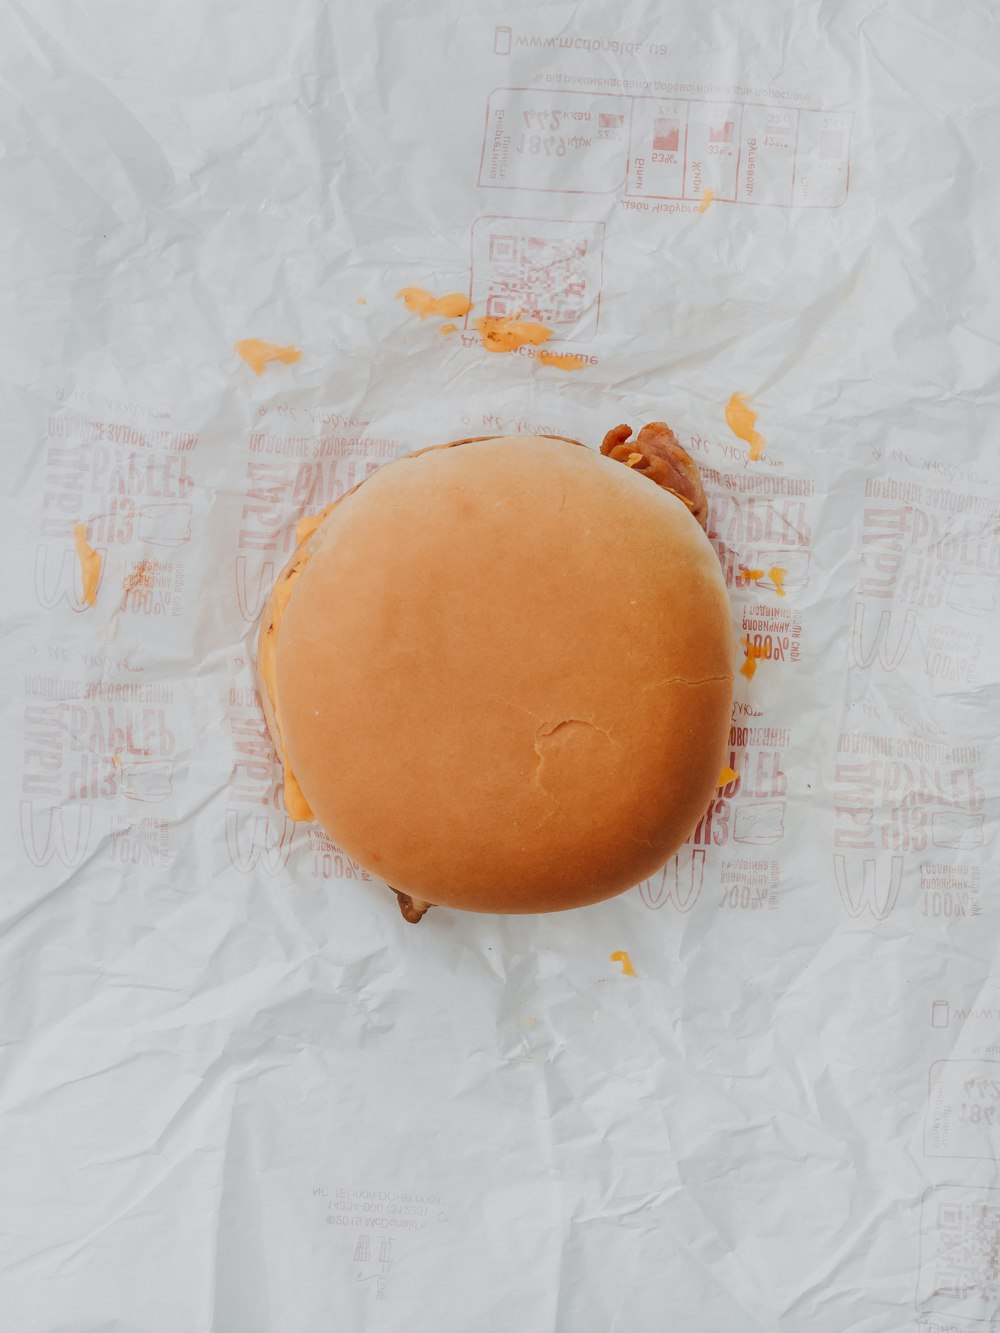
64	584
870	895
679	883
253	840
889	658
56	831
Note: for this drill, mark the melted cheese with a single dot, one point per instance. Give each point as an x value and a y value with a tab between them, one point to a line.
295	802
305	527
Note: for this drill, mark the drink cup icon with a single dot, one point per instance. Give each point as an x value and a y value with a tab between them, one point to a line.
759	822
146	780
794	563
975	594
958	829
167	524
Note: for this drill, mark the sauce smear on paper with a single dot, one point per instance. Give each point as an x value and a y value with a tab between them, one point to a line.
257	354
749	667
561	360
742	421
141	577
421	303
90	563
620	956
507	335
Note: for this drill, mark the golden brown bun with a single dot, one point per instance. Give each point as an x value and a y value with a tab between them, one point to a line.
504	675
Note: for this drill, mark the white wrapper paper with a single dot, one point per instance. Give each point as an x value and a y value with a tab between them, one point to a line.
239	1093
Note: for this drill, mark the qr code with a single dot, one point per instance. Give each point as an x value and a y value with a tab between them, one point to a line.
541	278
960	1254
539	269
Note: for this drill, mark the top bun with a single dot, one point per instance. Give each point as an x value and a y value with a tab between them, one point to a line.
501	673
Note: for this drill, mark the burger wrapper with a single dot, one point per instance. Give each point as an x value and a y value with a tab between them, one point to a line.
759	1091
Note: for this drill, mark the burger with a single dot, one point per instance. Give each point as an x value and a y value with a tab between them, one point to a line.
499	671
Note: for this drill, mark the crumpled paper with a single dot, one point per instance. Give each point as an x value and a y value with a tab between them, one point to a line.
238	1091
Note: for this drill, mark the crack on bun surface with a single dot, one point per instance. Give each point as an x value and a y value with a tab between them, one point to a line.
537	803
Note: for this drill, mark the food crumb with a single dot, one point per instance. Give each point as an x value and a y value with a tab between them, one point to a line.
753	574
422	303
258	354
620	956
777	576
706	201
727	776
445	329
361	300
90	563
742	420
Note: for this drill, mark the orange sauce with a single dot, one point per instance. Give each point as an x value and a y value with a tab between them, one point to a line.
90	563
742	421
507	335
258	354
421	303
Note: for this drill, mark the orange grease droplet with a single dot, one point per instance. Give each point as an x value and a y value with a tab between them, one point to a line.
620	956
